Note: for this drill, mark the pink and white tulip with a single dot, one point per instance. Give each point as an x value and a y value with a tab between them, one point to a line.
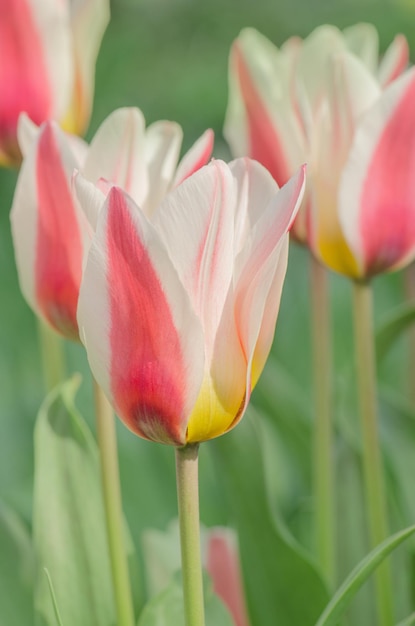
177	314
48	51
51	234
327	101
223	566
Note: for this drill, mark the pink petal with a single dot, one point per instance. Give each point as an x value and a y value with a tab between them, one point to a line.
395	60
196	157
377	192
47	231
264	142
24	72
222	564
143	341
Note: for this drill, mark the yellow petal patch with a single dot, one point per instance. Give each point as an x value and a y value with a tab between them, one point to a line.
210	417
330	245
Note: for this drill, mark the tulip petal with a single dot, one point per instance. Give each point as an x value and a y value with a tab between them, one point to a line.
363	41
116	153
162	148
196	157
144	342
91	199
34	65
196	222
256	267
47	231
351	91
395	60
261	120
89	19
377	188
222	564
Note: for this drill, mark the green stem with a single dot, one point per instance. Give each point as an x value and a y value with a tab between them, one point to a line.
323	431
53	361
372	460
409	277
188	501
107	441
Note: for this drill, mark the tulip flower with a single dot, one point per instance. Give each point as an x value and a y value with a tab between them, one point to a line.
48	50
312	101
222	563
51	234
177	314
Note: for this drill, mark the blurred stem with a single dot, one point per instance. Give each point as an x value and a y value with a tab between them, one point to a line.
372	460
110	477
188	501
409	277
53	359
323	431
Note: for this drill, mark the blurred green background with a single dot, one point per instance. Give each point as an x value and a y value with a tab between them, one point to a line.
170	59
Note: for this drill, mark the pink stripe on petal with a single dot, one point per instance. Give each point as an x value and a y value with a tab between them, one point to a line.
147	367
224	569
265	144
59	245
395	61
196	157
23	73
387	217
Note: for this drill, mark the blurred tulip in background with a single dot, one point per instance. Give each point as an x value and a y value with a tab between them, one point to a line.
48	51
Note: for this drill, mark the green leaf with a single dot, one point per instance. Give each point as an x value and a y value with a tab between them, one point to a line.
409	621
53	596
69	527
166	608
343	596
280	579
16	570
397	322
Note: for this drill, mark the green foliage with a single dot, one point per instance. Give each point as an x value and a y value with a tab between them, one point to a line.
280	578
338	604
398	321
166	608
16	570
69	526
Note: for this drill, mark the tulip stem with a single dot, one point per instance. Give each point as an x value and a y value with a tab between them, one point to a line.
372	459
110	477
188	502
409	277
323	432
53	360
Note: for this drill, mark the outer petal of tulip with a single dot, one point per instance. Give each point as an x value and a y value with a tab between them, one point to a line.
395	60
261	121
377	189
89	19
259	273
222	564
49	242
35	66
143	339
